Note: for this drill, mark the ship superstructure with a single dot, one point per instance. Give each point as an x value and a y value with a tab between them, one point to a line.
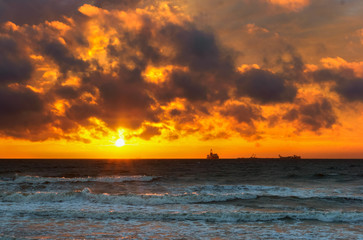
212	155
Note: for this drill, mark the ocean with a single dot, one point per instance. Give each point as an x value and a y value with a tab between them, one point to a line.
181	199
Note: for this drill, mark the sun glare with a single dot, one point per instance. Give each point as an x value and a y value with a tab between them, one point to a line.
120	142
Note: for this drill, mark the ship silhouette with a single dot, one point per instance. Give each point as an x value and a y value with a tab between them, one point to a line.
293	157
212	155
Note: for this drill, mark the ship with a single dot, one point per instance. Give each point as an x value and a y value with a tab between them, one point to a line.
293	157
212	155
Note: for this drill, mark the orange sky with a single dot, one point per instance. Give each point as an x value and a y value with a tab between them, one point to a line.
173	79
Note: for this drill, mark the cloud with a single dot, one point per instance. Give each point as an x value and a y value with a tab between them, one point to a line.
37	11
207	62
152	71
124	103
245	117
62	56
182	85
312	116
316	30
346	77
265	87
15	65
292	5
194	48
342	65
22	114
116	4
66	92
243	113
351	89
149	132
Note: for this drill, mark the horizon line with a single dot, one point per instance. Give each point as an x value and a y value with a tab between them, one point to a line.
174	158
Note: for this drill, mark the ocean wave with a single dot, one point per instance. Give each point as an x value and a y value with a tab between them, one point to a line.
156	199
105	179
276	191
129	199
217	215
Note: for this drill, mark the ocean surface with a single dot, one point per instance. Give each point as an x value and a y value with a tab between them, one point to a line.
181	199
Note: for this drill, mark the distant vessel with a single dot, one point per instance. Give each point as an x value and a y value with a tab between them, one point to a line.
212	155
293	157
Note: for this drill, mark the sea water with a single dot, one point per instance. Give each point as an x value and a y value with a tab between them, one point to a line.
181	199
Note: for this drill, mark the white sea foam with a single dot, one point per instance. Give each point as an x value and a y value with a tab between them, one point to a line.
191	213
130	199
208	195
205	193
134	229
276	191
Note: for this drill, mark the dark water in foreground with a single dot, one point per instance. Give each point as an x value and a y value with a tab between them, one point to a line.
176	199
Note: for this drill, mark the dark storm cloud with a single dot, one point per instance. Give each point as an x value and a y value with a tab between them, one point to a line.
243	113
140	41
291	69
194	48
325	75
66	92
150	132
313	116
345	82
80	112
200	51
116	4
211	67
246	116
175	112
15	65
186	116
265	87
14	101
182	85
22	113
63	57
37	11
351	89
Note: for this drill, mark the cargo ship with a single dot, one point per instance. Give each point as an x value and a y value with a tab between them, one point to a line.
293	157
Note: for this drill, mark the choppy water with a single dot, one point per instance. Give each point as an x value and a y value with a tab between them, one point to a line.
176	199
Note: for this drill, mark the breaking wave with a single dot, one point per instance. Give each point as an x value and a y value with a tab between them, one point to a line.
275	191
129	199
209	216
206	194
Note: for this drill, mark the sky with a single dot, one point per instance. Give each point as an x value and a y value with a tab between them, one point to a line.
173	79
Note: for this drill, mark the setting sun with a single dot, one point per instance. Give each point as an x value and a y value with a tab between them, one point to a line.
120	143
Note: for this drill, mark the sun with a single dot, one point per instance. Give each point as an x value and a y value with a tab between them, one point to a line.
120	142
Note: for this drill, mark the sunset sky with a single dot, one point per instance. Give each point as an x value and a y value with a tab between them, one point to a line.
172	79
